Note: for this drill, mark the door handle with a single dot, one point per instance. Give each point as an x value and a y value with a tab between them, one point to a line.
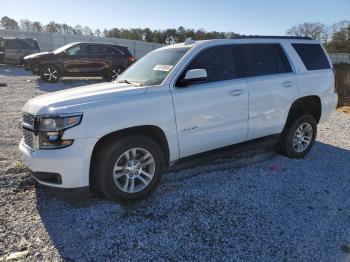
237	92
109	58
287	84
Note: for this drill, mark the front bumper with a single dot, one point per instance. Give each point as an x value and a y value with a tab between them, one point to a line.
33	66
328	105
70	164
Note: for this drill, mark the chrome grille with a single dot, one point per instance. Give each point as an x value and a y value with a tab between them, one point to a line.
28	138
28	125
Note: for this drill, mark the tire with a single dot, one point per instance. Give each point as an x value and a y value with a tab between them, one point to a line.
114	72
121	180
296	140
50	73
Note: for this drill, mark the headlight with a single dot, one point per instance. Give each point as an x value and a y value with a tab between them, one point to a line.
51	129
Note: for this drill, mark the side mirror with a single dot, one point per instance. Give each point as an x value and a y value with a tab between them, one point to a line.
194	76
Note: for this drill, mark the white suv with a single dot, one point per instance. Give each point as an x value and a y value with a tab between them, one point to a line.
178	101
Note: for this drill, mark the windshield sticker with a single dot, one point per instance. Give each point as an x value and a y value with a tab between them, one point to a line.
165	68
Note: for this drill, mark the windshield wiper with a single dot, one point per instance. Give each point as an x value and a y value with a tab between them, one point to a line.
129	82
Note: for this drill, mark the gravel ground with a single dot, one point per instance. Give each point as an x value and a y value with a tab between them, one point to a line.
253	206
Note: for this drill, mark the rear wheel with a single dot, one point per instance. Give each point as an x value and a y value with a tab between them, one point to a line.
50	73
128	169
298	137
114	72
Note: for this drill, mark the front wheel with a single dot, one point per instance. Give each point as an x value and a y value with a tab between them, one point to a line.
50	73
298	137
128	169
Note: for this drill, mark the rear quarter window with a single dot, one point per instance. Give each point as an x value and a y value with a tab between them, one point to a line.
312	56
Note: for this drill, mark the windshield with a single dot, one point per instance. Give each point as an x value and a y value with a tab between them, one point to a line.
154	67
62	48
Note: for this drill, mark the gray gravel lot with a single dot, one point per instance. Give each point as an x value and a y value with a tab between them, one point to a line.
252	206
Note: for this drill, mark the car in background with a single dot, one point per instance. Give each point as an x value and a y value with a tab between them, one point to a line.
13	50
80	60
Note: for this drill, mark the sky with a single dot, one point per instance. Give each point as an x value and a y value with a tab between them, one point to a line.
264	17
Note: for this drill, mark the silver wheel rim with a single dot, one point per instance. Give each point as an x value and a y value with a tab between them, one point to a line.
114	73
134	170
302	137
51	74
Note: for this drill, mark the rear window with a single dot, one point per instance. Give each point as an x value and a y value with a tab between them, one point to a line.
312	56
261	59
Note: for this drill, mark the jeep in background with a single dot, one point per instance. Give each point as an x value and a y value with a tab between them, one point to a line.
175	102
81	60
13	50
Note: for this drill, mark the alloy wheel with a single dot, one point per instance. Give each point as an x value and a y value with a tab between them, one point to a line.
115	72
302	137
51	74
134	170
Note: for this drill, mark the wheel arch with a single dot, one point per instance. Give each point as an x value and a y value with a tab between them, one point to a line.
303	105
151	131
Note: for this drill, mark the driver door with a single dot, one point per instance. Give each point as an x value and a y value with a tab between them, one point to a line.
75	60
213	113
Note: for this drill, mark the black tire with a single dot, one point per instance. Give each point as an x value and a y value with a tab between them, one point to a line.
114	72
285	144
106	158
50	73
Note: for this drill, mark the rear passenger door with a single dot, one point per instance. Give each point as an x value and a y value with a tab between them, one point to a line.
271	86
213	113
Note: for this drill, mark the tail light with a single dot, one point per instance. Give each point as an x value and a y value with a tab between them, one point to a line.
131	59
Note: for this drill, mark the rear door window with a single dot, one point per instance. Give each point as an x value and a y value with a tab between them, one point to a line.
107	50
13	44
312	56
217	61
260	59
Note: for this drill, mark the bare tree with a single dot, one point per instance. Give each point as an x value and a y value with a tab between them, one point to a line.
9	23
37	26
87	30
98	32
317	31
78	30
25	25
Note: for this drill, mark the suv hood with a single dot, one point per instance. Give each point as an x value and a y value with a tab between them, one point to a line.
76	98
38	55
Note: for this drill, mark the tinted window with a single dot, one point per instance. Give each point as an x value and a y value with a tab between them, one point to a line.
77	50
312	56
102	50
261	59
13	44
93	50
217	61
107	50
29	44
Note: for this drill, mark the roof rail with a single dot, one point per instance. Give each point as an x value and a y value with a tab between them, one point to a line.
271	37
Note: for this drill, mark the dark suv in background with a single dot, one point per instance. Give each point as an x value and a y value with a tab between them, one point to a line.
13	50
80	59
